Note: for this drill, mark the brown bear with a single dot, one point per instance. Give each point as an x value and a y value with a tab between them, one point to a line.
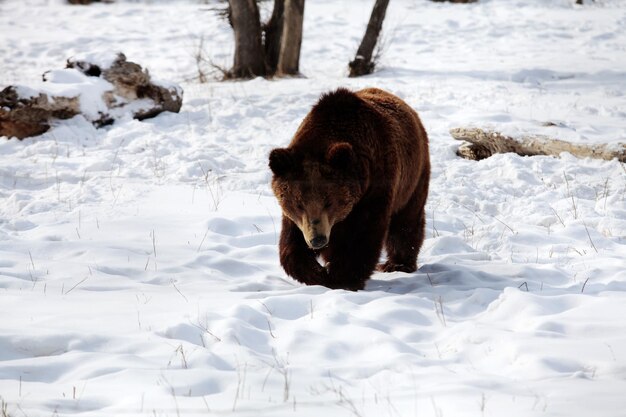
354	177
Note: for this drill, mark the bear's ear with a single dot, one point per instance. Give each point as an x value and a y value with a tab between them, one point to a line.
282	161
340	155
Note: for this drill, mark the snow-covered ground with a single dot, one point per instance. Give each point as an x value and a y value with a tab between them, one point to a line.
139	272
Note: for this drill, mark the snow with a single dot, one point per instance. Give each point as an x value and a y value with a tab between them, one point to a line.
104	59
139	272
70	82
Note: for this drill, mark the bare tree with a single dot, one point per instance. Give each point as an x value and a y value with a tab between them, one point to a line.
249	56
363	63
269	49
289	59
273	31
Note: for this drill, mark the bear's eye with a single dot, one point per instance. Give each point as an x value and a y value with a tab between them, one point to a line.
327	205
300	207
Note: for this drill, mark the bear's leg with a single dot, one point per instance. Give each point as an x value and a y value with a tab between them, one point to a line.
297	259
406	235
355	246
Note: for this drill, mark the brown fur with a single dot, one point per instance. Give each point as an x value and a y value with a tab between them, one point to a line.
354	177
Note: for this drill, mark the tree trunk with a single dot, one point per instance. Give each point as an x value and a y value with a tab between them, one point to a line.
273	30
289	59
363	63
484	143
249	59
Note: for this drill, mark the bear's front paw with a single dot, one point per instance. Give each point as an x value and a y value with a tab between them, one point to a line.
393	267
318	277
337	281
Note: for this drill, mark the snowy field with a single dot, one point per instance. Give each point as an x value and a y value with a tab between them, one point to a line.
139	272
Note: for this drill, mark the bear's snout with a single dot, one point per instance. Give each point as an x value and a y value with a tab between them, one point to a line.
315	227
318	242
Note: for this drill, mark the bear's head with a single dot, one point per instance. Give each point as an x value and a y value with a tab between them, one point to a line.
316	192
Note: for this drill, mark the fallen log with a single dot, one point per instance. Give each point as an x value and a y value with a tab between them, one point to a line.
102	88
480	144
